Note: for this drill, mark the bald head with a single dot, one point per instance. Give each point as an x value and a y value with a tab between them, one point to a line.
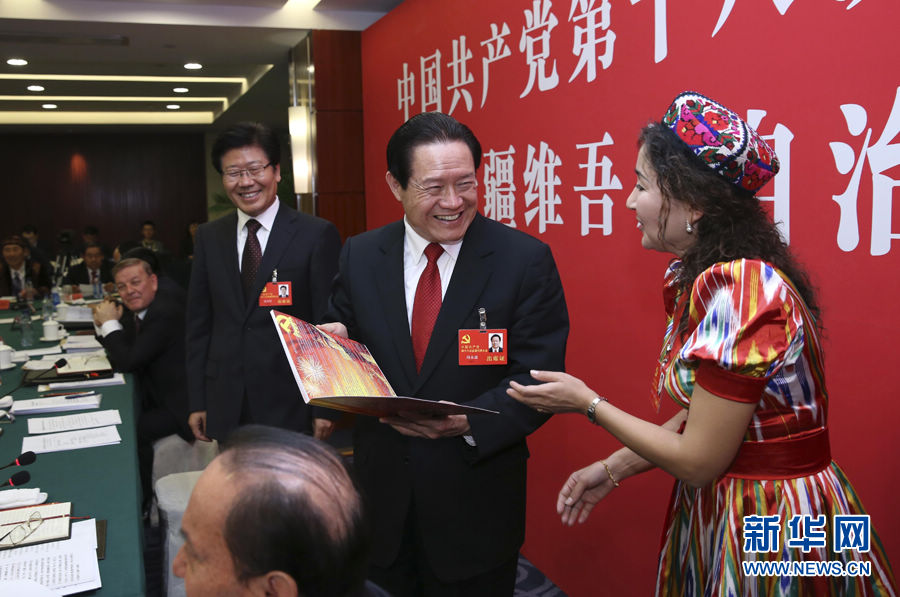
274	508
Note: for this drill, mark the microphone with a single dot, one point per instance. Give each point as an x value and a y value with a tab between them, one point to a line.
56	365
19	478
59	363
22	459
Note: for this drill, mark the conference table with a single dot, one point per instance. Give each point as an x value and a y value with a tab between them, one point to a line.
101	482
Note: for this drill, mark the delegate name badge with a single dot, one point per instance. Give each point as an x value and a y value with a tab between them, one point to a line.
276	294
482	347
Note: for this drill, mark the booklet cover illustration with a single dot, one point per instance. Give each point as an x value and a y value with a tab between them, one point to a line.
338	373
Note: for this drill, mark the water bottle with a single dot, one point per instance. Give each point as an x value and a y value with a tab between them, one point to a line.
98	288
27	331
46	308
55	296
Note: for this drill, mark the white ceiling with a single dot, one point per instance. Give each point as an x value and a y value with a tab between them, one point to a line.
116	62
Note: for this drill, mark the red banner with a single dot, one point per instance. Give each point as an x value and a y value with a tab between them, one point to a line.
557	92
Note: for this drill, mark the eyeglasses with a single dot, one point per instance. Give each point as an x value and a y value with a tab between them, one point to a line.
23	530
461	187
254	171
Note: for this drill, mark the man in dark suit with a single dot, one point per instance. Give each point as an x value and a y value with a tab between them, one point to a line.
93	264
20	276
447	494
237	370
148	341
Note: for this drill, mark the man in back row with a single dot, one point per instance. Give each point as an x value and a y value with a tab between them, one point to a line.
148	342
237	371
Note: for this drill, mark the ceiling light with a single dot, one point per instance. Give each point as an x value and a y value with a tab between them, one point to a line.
35	88
17	62
181	90
173	107
193	66
49	106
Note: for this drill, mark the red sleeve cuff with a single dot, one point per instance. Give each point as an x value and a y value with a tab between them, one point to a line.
729	385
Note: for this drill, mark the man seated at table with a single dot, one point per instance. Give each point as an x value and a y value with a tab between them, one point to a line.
93	268
148	342
276	513
19	275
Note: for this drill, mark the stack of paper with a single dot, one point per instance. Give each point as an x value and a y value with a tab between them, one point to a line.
74	313
71	440
55	404
24	355
65	567
81	344
100	418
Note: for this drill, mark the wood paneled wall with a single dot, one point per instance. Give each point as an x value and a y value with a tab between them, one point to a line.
339	130
113	181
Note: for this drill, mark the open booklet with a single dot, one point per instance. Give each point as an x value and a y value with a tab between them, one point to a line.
338	373
34	524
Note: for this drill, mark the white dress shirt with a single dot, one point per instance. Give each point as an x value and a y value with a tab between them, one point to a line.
266	220
415	261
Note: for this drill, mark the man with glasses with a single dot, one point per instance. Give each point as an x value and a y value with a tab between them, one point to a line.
447	494
237	372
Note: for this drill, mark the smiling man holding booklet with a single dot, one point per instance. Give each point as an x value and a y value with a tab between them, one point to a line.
447	493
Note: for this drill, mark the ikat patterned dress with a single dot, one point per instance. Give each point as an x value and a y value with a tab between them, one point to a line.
751	339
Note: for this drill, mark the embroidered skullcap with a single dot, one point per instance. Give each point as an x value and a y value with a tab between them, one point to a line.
722	140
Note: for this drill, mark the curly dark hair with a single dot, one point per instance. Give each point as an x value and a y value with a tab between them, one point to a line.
733	225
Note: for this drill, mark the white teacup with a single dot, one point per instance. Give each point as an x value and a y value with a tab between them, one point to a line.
62	310
5	357
52	329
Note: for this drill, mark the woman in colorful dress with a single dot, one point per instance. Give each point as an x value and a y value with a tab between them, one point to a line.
749	449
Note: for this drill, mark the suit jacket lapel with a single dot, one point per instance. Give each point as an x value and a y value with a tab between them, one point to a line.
470	276
227	248
390	287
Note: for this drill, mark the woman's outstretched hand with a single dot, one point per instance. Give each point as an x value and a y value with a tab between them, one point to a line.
561	393
581	492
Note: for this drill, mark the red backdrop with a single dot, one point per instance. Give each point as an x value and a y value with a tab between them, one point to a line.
816	78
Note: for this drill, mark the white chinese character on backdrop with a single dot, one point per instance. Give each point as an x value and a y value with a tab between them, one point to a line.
539	21
608	182
660	39
406	91
541	182
780	140
499	186
780	5
882	156
497	50
430	76
461	77
586	39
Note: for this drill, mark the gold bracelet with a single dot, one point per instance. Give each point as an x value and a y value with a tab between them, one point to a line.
609	472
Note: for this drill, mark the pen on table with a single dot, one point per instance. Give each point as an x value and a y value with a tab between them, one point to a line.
54	394
82	395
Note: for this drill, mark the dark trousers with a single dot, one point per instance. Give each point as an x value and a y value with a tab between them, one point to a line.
152	425
412	576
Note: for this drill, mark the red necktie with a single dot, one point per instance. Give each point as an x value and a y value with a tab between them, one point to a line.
251	258
93	276
427	303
